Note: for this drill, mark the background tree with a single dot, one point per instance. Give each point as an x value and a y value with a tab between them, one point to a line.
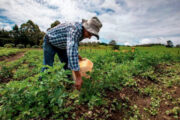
54	24
114	45
103	44
27	34
169	43
16	34
178	45
5	37
112	42
30	33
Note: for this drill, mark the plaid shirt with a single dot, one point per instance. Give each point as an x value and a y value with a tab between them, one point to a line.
67	36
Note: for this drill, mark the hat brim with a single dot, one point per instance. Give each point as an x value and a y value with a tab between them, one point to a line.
94	34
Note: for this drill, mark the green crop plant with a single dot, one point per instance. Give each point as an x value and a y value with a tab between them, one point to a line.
135	112
31	98
5	72
174	111
54	97
151	90
154	106
9	51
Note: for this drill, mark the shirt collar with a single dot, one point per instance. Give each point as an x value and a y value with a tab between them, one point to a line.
80	28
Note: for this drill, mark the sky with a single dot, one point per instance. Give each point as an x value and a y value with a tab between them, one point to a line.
128	22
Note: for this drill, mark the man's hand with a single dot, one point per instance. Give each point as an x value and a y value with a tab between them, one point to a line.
80	58
78	81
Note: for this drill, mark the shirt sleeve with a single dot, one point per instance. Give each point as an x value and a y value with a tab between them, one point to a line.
72	49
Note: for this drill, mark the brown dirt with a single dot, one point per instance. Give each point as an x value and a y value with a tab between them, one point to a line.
142	82
136	99
5	80
127	96
99	112
144	101
12	57
131	96
160	68
165	104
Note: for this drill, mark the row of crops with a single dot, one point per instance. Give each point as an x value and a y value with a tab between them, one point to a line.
24	96
8	51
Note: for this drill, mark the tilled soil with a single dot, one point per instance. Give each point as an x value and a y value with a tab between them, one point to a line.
131	96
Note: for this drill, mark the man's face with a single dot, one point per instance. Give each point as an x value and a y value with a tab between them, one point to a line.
87	34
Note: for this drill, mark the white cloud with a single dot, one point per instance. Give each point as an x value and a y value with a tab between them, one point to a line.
111	4
127	43
5	26
21	11
132	22
162	40
93	39
8	27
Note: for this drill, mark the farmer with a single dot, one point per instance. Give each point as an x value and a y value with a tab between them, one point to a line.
64	40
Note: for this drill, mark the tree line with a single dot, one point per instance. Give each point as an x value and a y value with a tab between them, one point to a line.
27	34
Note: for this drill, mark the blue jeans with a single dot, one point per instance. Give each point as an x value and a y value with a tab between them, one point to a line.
49	53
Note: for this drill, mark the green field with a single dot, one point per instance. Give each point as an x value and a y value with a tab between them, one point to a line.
139	85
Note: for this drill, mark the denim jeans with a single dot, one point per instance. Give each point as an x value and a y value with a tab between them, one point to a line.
49	54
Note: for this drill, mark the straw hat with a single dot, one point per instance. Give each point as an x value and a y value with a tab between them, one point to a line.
93	26
85	66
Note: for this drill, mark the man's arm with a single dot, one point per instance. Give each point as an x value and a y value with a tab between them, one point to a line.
73	57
